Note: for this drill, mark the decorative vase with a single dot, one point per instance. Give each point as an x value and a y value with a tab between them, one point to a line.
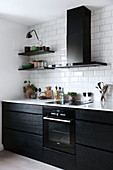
29	92
72	99
35	64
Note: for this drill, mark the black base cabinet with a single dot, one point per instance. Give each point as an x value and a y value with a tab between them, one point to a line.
59	159
22	129
93	159
23	143
94	140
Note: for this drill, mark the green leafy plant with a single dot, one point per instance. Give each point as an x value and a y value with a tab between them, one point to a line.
28	84
34	60
72	94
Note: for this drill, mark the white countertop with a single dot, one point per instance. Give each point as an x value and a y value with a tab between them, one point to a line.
107	106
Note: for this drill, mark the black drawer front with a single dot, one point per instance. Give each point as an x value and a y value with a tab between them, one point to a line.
23	143
22	107
23	121
94	115
93	159
60	159
95	135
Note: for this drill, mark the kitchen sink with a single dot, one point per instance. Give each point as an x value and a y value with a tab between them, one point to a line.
68	102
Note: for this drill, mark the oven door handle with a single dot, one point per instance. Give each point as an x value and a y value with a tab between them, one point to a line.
57	120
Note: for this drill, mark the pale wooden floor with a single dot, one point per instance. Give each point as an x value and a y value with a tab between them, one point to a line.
11	161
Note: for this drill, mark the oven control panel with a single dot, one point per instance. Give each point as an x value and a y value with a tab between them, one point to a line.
59	112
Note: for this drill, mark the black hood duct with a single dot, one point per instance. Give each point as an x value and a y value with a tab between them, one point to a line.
79	38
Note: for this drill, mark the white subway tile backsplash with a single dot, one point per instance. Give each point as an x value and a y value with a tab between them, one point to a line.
98	10
56	26
109	8
94	29
74	79
108	72
95	41
100	35
92	23
61	31
99	73
83	68
94	79
95	54
69	74
99	47
100	22
63	58
109	20
105	27
53	34
52	22
61	20
95	17
42	30
65	79
105	40
104	53
78	74
105	79
105	14
109	46
88	73
83	79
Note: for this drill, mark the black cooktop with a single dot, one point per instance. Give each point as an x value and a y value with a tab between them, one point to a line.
67	102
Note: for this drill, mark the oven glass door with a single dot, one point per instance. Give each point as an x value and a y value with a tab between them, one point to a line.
59	134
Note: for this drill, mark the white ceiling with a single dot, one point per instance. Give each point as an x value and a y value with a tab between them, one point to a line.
32	12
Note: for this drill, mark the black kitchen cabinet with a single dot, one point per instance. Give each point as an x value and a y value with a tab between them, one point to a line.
27	108
22	129
95	135
26	144
59	159
26	122
23	134
93	159
95	116
94	140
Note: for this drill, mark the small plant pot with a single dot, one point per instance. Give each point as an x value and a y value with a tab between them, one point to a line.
35	64
29	92
72	99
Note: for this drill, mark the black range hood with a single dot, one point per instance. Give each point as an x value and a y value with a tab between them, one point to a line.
79	38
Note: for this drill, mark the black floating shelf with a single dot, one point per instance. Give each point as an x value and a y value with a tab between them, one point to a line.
38	52
75	65
38	68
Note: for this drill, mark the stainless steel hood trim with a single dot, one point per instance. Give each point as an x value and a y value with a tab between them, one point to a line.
89	64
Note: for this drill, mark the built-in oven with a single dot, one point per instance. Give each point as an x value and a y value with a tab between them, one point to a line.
59	129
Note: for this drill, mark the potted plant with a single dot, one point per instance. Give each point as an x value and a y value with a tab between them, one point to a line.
73	95
29	89
35	63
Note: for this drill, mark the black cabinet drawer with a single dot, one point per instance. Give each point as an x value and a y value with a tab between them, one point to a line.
60	159
95	116
23	143
29	108
93	159
23	121
94	134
